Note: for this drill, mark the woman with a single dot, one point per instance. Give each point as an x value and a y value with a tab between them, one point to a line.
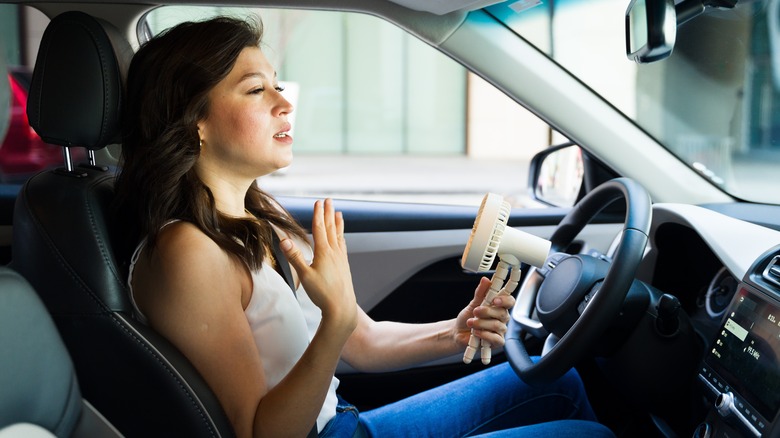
206	118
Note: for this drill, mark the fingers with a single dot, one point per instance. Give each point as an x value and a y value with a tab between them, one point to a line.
489	322
330	223
491	330
294	255
327	225
340	228
327	279
503	301
498	310
490	337
318	223
494	319
481	291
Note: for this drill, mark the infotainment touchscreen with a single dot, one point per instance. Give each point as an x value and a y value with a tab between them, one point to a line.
746	351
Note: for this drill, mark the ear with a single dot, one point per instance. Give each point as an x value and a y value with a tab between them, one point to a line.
201	130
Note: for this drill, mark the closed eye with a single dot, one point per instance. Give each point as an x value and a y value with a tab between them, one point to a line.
278	88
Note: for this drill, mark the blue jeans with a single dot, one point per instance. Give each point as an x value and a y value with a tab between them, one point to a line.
492	403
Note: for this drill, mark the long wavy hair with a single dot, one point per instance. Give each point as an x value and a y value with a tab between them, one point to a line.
167	94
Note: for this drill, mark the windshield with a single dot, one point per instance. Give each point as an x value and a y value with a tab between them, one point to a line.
714	102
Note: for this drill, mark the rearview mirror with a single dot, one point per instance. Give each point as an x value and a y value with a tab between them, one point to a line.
651	29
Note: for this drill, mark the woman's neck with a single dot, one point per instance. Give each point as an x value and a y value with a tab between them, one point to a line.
229	193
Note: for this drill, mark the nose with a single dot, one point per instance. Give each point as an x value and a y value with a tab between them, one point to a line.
283	106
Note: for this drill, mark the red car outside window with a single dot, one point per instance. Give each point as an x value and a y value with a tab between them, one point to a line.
23	153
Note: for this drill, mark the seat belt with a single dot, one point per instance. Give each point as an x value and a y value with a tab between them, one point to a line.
286	273
282	263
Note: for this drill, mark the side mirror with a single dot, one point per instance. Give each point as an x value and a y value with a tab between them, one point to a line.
557	174
651	30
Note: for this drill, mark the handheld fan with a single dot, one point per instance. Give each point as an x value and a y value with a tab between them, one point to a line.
490	237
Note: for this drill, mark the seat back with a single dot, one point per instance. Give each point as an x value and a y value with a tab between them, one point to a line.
40	392
74	250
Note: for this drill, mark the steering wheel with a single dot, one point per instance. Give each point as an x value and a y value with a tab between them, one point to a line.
576	297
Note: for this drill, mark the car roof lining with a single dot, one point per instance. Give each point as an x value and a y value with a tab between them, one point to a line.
435	7
429	27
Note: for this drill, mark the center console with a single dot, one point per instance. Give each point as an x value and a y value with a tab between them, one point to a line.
741	369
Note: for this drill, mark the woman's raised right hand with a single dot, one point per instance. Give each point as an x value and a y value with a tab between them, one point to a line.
328	280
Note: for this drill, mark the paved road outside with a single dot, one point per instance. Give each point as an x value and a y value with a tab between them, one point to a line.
460	180
449	180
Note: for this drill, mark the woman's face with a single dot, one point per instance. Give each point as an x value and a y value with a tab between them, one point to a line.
245	131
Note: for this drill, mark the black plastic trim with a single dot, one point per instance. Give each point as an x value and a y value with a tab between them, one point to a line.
372	216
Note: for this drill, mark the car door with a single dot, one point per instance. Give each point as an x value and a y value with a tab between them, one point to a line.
405	261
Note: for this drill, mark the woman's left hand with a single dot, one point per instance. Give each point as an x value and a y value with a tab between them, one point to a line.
488	321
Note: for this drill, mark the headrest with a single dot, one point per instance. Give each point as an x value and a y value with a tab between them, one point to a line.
77	85
38	382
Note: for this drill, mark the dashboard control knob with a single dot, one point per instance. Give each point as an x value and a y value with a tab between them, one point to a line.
724	402
668	323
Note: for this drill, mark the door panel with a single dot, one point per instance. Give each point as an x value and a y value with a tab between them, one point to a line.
405	261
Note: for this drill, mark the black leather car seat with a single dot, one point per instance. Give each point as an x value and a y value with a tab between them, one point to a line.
69	244
40	393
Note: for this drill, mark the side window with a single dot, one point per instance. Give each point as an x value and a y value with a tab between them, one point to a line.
380	115
5	93
22	152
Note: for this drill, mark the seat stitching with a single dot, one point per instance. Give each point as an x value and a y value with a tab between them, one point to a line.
61	260
167	368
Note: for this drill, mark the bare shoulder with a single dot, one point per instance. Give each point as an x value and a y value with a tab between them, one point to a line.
191	292
186	272
183	251
183	243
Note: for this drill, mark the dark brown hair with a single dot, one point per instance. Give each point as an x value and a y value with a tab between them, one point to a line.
167	94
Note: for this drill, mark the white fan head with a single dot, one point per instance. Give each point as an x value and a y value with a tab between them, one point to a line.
486	233
490	236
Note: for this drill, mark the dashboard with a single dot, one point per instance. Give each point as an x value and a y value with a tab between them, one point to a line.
741	368
726	273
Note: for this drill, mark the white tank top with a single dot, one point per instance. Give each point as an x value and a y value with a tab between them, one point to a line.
281	325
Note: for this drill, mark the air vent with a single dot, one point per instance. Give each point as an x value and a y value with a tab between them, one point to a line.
772	271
